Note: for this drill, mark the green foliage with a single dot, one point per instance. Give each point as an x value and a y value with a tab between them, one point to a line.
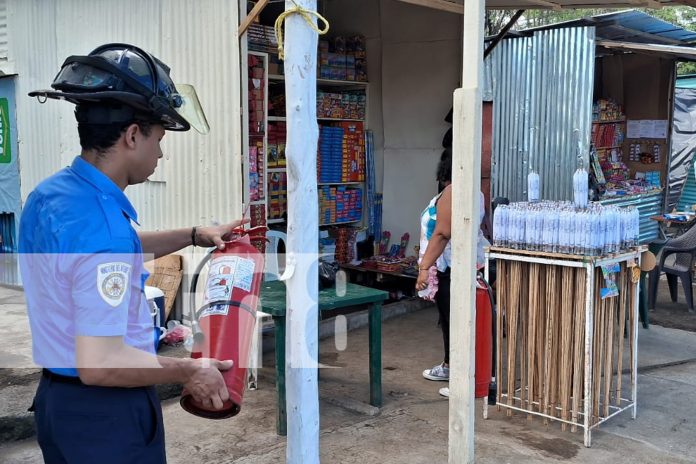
682	16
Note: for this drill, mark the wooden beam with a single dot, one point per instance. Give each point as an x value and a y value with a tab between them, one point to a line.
253	14
503	33
302	343
443	5
647	3
466	188
546	4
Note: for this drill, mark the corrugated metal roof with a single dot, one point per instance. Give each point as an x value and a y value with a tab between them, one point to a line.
686	82
455	6
632	26
673	51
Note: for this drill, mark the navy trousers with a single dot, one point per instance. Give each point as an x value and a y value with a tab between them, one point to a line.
84	424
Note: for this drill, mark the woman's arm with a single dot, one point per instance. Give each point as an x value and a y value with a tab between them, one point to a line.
441	236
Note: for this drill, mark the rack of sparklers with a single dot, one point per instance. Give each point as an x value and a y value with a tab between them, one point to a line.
566	335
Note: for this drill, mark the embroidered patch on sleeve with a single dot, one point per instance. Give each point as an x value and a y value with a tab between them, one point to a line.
113	281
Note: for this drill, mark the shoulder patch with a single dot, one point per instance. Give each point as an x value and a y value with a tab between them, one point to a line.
113	280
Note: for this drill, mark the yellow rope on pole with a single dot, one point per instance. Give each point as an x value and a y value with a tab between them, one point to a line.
308	16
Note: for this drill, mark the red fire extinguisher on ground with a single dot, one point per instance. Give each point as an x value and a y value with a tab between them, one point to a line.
484	338
223	327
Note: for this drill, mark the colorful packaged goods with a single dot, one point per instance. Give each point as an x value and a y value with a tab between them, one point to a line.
257	213
343	58
339	204
343	105
607	110
276	145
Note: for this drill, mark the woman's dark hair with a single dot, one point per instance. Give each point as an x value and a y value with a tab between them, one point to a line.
101	137
444	167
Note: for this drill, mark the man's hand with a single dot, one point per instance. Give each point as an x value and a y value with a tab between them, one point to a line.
217	235
206	384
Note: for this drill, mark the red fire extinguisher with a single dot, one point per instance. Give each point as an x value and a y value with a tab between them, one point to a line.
223	327
484	338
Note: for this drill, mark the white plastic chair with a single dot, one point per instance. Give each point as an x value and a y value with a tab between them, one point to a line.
273	268
272	271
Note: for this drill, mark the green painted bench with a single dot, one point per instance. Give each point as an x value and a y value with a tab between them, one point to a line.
273	300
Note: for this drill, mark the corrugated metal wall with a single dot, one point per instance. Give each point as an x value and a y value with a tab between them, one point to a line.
541	88
648	205
3	31
199	179
688	193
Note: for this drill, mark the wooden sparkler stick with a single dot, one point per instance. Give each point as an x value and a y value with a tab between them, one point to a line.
502	286
540	336
531	333
556	345
609	358
513	310
523	322
566	342
625	289
596	352
632	329
549	360
579	344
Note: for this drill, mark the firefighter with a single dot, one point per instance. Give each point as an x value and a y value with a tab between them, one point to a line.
82	266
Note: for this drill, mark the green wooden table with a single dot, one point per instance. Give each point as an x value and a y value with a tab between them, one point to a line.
273	302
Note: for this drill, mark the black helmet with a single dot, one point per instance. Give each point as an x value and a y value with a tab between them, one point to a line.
120	82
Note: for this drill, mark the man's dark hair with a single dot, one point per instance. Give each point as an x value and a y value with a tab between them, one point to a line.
100	136
444	167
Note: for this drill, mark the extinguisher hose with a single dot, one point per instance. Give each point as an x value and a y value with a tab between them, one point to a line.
488	289
195	328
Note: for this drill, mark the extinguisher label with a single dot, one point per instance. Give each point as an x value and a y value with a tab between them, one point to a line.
214	310
245	274
225	273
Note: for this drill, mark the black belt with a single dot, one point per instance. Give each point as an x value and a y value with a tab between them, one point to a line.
61	378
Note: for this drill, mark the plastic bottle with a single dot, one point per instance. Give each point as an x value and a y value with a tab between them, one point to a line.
533	187
341	283
581	187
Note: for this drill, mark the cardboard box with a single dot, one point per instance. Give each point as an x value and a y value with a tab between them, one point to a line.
166	274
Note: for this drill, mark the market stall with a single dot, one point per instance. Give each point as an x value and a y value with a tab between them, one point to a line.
607	106
371	137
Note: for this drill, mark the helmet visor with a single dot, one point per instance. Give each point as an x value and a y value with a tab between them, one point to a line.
190	108
83	77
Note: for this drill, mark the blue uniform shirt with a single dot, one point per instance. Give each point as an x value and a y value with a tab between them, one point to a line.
82	266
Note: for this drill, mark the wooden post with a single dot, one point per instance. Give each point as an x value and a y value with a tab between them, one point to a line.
466	187
303	238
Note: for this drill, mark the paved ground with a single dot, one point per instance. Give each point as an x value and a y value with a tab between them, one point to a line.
412	426
674	315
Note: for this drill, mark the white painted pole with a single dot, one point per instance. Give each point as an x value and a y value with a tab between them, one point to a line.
466	185
303	238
